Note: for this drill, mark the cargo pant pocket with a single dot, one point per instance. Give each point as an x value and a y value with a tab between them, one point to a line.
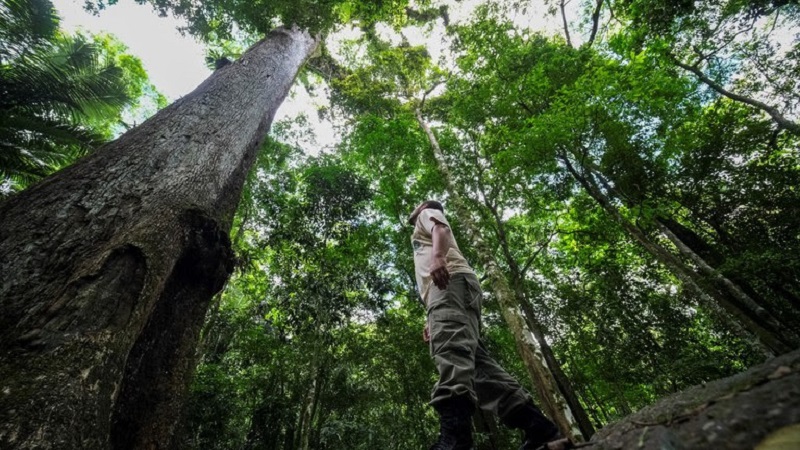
474	295
448	330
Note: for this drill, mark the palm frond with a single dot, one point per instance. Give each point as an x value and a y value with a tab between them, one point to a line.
58	93
34	147
69	78
25	24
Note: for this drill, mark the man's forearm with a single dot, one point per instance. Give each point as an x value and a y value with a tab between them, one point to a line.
441	240
440	236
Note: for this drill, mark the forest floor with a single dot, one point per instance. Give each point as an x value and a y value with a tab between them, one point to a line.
756	409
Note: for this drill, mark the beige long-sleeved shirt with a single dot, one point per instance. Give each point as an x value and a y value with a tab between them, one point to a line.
422	241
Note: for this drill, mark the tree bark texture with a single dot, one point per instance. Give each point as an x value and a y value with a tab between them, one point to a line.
755	409
552	402
109	265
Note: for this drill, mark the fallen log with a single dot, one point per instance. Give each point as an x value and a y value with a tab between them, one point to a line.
749	410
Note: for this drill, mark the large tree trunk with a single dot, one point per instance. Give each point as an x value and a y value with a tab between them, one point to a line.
109	265
552	401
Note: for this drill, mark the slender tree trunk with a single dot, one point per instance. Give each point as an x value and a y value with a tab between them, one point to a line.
598	8
562	382
547	389
699	246
109	265
486	424
598	409
731	288
693	240
621	400
317	419
783	286
564	385
740	295
562	6
307	415
552	402
740	322
746	301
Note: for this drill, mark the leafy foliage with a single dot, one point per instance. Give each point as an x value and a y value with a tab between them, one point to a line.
578	164
302	350
222	19
573	161
62	95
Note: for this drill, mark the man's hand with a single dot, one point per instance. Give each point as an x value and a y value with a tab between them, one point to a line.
439	273
426	334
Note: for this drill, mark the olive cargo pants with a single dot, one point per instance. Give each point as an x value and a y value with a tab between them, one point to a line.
465	367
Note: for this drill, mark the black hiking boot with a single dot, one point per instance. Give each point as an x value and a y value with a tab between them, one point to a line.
539	430
455	421
559	443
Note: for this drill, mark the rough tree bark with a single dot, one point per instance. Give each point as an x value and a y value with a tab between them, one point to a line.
109	265
552	401
754	409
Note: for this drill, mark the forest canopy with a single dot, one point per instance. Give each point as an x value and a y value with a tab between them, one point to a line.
623	180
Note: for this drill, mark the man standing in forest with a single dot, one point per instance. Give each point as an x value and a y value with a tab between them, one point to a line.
468	376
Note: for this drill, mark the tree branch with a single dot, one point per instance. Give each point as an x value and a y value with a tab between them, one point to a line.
564	19
595	22
425	95
773	112
541	248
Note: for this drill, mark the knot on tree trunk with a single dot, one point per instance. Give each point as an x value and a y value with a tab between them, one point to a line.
207	250
162	358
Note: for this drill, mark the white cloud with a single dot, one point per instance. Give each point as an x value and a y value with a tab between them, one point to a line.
175	63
